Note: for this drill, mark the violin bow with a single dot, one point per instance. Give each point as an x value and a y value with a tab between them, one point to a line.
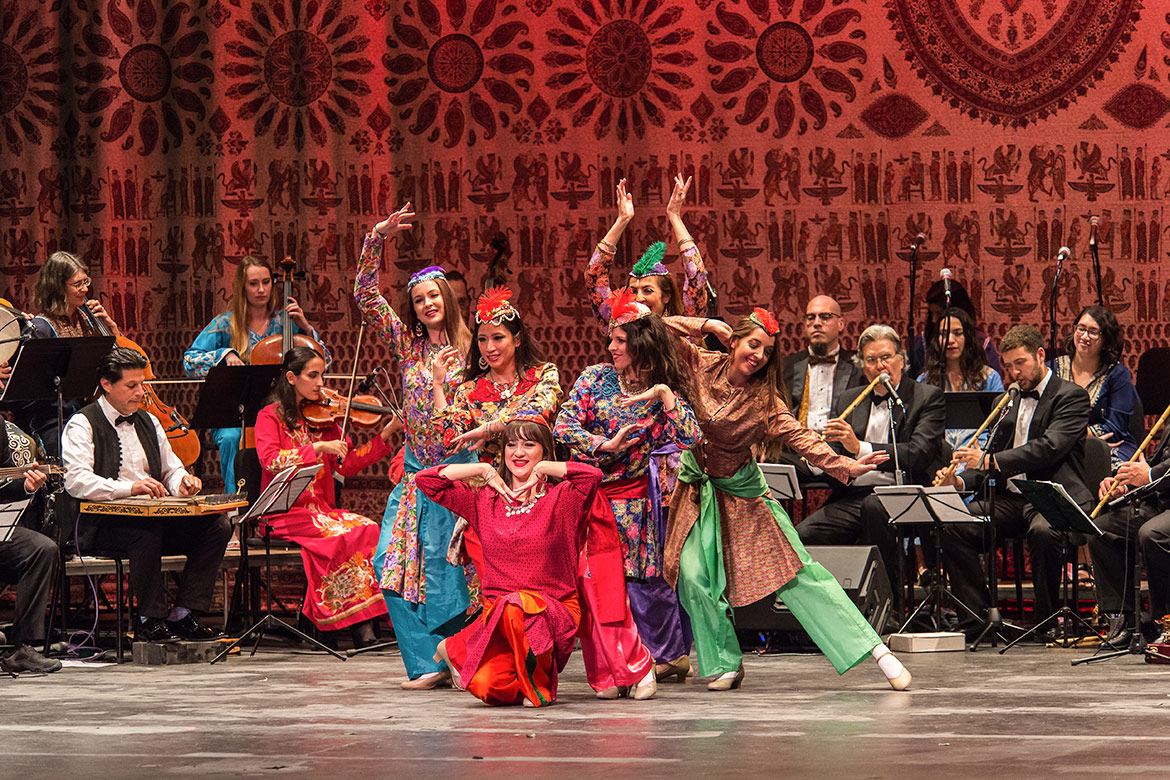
357	355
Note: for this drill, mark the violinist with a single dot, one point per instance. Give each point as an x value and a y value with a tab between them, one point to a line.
253	314
337	546
64	310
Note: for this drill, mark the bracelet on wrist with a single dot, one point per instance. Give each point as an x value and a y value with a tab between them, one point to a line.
606	246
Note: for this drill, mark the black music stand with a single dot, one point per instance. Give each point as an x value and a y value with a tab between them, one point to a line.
934	506
968	409
232	397
284	490
1056	506
1137	645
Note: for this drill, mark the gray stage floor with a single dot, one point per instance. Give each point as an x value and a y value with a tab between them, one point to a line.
1026	713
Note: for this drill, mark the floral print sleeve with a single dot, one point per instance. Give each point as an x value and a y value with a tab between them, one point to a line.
597	280
539	390
694	282
373	305
212	345
782	424
578	426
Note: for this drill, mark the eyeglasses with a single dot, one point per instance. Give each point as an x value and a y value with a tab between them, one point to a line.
823	316
873	360
1093	333
82	284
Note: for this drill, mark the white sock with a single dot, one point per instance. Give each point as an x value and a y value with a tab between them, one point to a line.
427	675
889	664
649	678
728	675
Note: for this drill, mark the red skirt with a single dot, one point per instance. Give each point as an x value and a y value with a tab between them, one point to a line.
516	649
336	548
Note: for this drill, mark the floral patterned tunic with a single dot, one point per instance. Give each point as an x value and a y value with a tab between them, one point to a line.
481	400
404	570
694	291
215	342
590	415
757	557
336	545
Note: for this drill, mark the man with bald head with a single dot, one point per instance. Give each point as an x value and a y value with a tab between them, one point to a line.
817	375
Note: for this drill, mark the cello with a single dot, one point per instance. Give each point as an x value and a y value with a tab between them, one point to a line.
183	440
265	352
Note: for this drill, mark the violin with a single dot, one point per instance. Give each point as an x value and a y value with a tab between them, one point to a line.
265	352
183	440
363	411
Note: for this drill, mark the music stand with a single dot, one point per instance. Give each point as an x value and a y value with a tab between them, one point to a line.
232	396
9	516
968	410
934	506
1056	506
280	495
1137	645
782	481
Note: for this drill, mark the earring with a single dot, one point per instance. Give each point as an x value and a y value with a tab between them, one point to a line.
418	329
483	362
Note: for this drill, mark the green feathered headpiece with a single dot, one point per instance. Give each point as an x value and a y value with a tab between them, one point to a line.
651	263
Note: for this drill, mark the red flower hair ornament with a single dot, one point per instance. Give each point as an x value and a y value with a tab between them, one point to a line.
494	306
765	320
623	308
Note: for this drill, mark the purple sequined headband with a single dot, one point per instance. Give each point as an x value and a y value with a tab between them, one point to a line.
425	275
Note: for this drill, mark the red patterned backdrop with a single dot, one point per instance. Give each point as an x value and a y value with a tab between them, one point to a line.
163	141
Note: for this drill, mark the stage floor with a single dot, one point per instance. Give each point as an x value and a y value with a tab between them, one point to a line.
1026	713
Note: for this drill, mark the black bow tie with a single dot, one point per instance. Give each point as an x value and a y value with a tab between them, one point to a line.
1030	394
878	400
124	418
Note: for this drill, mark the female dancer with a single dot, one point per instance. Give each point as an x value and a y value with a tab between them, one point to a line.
1092	359
661	621
336	545
506	374
61	299
253	315
616	415
426	595
530	533
722	497
966	363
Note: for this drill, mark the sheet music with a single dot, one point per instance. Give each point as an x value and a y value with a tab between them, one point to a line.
9	516
947	503
781	480
282	492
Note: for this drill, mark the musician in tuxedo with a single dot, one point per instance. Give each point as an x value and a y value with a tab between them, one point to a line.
818	375
28	560
1041	437
1113	552
112	450
853	514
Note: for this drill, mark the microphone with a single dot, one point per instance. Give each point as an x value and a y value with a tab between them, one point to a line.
1063	254
946	276
918	241
1093	221
885	380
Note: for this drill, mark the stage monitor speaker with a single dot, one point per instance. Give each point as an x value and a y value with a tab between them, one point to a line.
769	624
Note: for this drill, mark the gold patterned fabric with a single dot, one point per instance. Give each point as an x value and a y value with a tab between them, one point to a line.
757	557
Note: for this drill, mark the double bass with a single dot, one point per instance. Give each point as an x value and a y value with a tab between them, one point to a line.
183	440
266	353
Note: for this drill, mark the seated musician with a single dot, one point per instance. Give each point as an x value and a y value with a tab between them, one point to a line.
853	515
28	560
1092	359
1042	437
64	310
113	450
1113	552
337	547
818	375
253	315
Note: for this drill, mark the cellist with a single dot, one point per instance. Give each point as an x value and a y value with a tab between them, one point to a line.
253	315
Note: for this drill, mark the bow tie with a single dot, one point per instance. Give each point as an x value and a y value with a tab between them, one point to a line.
1030	394
878	400
124	418
813	360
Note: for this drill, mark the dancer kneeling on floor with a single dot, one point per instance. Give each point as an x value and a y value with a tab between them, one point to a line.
530	532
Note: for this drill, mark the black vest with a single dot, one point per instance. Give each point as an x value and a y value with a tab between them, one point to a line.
107	450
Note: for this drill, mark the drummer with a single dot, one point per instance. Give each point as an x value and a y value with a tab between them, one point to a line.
253	315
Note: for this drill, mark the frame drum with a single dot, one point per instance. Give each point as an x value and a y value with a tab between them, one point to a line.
10	331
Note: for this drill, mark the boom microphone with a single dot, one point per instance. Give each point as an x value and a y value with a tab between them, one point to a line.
1093	221
885	380
946	276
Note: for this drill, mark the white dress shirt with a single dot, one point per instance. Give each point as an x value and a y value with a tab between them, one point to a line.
1024	419
877	431
820	392
77	453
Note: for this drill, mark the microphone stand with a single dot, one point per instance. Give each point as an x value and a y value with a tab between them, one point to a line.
910	306
899	476
995	621
1097	269
1052	308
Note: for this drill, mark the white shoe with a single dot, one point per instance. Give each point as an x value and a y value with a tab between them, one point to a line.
647	688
